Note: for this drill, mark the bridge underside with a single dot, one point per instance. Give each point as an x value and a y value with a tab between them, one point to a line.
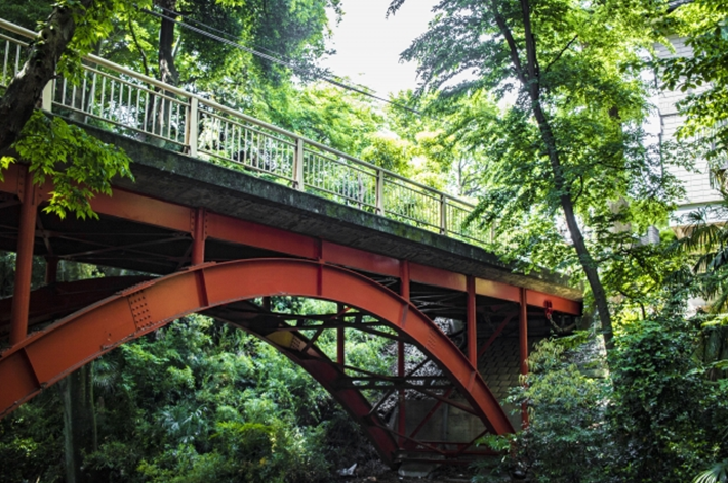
460	339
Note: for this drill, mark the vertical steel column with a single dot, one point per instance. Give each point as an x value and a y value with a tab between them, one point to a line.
199	233
523	339
340	339
472	323
23	261
51	273
404	280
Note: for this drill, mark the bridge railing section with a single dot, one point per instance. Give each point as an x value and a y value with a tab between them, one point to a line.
113	97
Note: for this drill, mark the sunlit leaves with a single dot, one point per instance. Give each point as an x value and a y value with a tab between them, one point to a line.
78	165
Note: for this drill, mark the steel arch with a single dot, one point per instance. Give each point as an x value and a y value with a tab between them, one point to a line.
48	356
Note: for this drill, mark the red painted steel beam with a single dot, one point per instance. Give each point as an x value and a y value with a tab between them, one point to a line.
359	259
495	335
47	356
432	412
523	346
255	235
497	290
24	259
565	306
353	402
63	298
404	292
143	209
140	208
340	340
199	233
11	179
51	272
438	277
304	353
472	323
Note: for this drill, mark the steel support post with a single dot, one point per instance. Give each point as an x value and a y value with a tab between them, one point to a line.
24	262
51	273
404	280
472	323
523	339
340	340
199	233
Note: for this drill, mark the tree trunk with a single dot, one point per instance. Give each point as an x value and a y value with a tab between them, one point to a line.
585	259
79	419
167	71
24	91
529	78
158	108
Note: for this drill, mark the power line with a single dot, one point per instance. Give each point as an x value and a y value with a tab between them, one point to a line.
213	29
271	58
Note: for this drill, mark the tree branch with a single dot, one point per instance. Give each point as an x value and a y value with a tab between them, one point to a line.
561	53
515	57
531	59
26	88
145	61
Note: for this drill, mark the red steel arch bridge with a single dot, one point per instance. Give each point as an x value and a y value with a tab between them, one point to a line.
226	212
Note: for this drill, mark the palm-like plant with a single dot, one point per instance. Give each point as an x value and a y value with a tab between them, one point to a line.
707	239
717	474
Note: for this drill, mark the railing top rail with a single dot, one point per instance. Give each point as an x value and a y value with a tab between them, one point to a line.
19	42
17	29
227	110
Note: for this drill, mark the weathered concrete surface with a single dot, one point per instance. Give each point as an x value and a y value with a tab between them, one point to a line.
177	178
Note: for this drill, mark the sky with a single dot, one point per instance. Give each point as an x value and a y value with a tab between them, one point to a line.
368	44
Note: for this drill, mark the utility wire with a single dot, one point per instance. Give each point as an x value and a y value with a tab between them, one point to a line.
213	29
318	75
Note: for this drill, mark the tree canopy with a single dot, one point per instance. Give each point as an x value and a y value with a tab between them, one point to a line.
569	146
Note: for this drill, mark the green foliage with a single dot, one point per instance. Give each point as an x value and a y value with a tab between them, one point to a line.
567	146
26	13
340	119
663	408
646	278
656	418
717	474
293	31
703	74
568	437
77	164
31	441
198	401
706	243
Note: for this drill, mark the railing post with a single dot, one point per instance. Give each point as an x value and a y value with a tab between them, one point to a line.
379	193
47	98
192	130
443	214
298	166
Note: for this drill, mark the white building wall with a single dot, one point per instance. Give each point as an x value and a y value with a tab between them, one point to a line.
696	182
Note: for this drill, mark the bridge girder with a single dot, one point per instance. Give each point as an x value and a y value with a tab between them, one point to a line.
51	354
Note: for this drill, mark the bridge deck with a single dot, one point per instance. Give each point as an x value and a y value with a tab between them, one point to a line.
167	184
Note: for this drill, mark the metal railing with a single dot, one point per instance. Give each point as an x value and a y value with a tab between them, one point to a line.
113	97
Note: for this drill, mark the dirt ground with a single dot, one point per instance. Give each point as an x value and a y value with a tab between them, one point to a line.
392	477
441	475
